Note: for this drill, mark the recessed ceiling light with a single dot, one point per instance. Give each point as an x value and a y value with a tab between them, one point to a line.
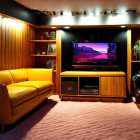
66	27
53	27
123	26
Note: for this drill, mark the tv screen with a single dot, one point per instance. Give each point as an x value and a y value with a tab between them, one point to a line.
94	52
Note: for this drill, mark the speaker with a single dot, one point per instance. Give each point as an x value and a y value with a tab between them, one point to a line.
69	85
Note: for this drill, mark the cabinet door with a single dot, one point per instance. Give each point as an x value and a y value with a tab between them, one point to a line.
113	86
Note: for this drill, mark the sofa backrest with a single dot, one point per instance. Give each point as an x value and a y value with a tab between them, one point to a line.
19	75
39	74
32	74
6	77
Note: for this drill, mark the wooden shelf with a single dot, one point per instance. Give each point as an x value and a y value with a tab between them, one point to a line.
44	55
40	44
136	61
48	41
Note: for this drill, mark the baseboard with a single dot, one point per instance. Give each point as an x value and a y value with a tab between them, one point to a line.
64	98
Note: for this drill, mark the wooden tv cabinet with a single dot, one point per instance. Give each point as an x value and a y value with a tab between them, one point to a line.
93	85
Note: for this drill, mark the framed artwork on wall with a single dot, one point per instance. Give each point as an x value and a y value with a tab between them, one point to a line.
51	49
51	63
50	35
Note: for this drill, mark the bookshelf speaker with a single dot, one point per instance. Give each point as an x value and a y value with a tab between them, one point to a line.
69	87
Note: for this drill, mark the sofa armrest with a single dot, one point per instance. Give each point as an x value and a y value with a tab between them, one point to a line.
5	106
35	74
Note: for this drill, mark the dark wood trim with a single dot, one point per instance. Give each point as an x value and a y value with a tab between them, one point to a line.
64	98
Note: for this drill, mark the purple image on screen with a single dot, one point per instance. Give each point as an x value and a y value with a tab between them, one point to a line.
84	52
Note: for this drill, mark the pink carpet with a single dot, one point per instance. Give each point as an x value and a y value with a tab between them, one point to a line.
67	120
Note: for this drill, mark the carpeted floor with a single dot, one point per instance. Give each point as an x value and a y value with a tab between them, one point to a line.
67	120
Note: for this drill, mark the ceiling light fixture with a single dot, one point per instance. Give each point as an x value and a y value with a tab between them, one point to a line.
90	12
45	12
109	11
54	13
66	27
61	13
113	11
85	12
122	26
131	11
78	12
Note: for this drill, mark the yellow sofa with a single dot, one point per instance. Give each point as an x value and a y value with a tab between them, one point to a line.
21	90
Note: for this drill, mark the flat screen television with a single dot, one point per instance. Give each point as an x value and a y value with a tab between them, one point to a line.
94	53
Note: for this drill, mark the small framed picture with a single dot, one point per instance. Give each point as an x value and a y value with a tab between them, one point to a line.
46	35
51	49
53	35
50	35
51	63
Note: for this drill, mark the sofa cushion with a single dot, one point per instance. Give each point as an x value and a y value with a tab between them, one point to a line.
5	77
19	75
28	105
39	74
42	86
19	94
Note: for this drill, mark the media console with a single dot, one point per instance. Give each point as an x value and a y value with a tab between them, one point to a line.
93	85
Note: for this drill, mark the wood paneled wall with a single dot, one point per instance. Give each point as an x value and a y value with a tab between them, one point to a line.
15	45
129	55
58	62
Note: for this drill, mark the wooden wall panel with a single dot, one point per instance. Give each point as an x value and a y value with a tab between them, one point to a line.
0	41
129	60
15	45
58	62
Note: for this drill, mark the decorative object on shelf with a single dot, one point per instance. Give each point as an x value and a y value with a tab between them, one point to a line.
51	63
51	49
43	53
136	86
136	50
41	37
50	35
38	52
53	35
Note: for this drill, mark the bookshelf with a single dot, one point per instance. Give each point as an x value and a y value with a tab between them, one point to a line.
42	54
133	64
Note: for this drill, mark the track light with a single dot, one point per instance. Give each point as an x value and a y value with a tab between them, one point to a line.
131	11
54	13
61	13
85	12
105	12
113	12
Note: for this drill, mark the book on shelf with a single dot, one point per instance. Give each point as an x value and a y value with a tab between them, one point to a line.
50	35
51	49
51	63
